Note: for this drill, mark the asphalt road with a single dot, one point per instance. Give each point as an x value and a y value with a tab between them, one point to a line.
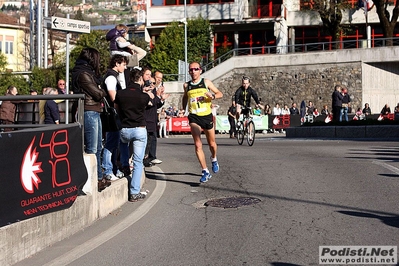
312	193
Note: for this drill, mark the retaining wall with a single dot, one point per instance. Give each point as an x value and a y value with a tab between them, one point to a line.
23	239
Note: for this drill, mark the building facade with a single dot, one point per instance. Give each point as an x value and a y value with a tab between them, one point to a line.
14	34
259	23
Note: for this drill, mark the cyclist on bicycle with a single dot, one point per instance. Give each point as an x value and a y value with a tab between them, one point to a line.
242	97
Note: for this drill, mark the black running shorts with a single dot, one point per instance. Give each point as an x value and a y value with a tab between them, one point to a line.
205	122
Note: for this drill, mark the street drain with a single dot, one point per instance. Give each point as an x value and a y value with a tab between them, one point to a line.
232	202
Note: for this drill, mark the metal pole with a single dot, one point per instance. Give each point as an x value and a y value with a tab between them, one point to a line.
32	34
39	33
45	37
67	76
185	41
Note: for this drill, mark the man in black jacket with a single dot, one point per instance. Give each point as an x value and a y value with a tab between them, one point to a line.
131	103
337	103
242	97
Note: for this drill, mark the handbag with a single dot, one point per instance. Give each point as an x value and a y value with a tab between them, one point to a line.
109	118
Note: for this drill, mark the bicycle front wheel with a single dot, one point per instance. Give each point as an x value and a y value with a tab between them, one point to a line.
250	133
240	133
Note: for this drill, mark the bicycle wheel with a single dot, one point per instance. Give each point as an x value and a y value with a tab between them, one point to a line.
250	133
240	133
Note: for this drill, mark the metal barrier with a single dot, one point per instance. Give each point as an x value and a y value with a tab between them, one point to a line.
27	109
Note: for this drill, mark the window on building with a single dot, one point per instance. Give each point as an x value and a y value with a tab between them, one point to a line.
157	3
9	49
190	2
9	45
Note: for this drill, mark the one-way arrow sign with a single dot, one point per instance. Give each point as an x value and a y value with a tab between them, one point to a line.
55	22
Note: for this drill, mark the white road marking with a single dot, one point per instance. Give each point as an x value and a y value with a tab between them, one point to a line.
387	166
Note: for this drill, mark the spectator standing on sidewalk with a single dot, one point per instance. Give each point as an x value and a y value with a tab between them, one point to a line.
151	115
131	104
336	103
111	84
86	79
231	113
198	94
163	118
345	105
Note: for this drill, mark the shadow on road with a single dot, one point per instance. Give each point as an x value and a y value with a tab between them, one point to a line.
378	153
388	220
153	175
391	219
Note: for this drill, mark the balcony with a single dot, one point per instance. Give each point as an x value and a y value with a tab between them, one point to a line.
167	14
231	11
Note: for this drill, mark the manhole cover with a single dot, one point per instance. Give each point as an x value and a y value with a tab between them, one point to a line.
233	202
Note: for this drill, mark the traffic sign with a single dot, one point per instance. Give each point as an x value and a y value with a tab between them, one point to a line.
70	25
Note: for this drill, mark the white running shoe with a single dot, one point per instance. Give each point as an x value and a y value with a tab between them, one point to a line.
111	177
156	161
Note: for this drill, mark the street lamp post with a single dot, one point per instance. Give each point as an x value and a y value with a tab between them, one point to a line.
185	41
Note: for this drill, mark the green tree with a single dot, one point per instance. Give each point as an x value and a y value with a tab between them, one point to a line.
169	47
42	77
387	21
19	81
3	62
79	15
330	12
95	39
198	38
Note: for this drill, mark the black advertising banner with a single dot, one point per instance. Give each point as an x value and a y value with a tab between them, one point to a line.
284	121
41	171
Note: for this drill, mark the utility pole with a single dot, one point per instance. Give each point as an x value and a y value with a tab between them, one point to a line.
32	34
185	41
39	19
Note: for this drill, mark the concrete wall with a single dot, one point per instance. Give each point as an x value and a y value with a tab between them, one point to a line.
23	239
380	85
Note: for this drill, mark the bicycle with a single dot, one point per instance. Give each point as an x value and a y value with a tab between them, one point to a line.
246	127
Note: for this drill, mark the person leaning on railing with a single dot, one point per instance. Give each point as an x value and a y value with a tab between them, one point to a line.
7	109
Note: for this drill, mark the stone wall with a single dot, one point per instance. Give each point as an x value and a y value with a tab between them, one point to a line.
288	84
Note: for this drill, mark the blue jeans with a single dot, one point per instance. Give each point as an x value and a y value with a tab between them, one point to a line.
110	148
139	137
344	112
93	137
124	154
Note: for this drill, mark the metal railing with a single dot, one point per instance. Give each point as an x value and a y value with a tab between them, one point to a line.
300	48
27	114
